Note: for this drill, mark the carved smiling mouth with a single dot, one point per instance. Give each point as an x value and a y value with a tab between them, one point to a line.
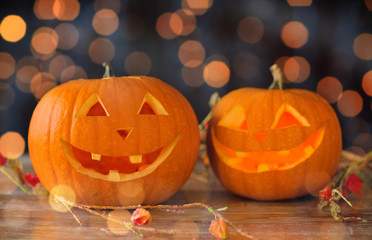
253	162
116	168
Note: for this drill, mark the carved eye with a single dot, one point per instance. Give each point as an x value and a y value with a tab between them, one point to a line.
288	116
93	106
151	105
235	119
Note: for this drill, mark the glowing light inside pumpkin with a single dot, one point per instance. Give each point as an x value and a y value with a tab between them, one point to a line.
288	116
269	160
93	106
151	105
116	168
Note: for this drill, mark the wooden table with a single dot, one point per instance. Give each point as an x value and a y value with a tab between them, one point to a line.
30	217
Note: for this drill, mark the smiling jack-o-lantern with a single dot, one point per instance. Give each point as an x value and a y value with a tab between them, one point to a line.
114	141
274	144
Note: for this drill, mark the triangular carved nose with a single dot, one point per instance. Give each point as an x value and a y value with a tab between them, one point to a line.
124	132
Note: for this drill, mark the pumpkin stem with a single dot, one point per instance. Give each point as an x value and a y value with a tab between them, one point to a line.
277	78
109	72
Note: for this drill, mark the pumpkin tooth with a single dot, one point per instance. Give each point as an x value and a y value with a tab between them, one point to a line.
113	175
135	159
96	156
262	167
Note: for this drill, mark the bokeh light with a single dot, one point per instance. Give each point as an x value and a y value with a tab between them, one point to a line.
191	53
12	28
367	83
216	74
72	73
115	221
7	95
68	36
368	4
294	34
101	50
105	22
7	65
330	88
66	10
44	40
188	21
59	63
64	192
296	69
250	30
138	63
299	3
350	103
198	7
43	9
41	83
12	145
169	25
107	4
24	76
363	46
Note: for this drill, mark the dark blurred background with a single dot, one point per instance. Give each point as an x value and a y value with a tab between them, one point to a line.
197	46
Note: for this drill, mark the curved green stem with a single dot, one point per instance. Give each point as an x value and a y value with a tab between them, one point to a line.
2	169
277	78
109	72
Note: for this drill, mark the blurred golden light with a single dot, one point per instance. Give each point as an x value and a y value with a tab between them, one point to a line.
44	40
12	145
296	69
58	64
246	65
330	88
350	103
7	95
368	4
68	36
188	21
105	22
133	197
101	50
299	3
363	46
191	53
367	83
364	140
133	27
41	83
138	63
12	28
216	74
294	34
250	30
62	191
73	72
116	220
198	7
24	76
193	77
107	4
7	65
169	25
43	9
66	10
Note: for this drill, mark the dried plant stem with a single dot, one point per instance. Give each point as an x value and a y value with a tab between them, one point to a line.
25	190
149	229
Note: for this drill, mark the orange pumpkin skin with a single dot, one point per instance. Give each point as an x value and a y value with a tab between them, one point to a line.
280	144
114	141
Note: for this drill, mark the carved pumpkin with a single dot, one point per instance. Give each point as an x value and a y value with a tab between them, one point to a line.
274	144
114	141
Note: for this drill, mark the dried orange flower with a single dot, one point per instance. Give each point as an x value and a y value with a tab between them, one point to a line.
218	229
141	217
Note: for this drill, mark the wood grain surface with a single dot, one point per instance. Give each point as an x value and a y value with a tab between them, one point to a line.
30	217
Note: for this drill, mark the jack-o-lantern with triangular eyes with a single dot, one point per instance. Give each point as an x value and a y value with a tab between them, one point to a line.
114	141
274	144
